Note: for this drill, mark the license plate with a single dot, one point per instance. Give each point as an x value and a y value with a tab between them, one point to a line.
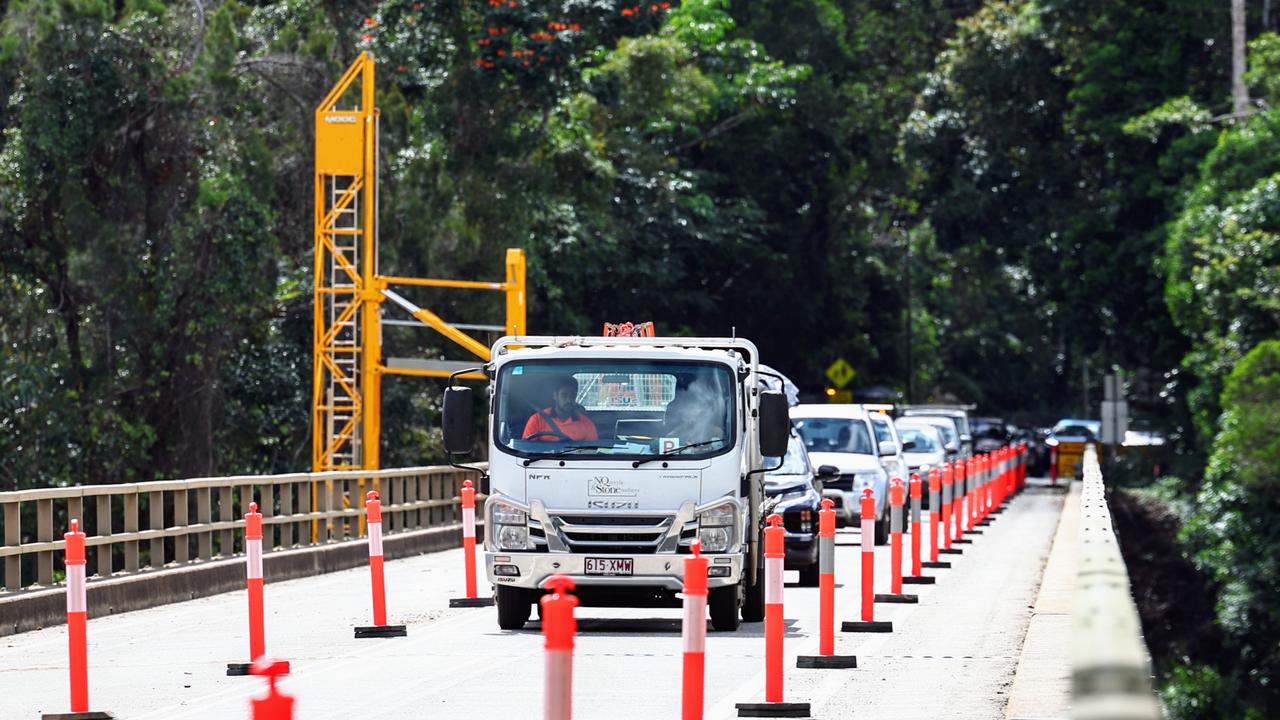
609	566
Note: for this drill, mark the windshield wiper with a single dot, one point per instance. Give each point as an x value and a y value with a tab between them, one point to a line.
563	453
673	451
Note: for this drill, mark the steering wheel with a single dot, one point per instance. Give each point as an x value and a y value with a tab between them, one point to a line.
550	433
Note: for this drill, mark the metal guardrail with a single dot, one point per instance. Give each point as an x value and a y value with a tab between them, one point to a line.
176	522
1110	663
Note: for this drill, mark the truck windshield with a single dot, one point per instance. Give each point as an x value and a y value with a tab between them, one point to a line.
622	409
839	435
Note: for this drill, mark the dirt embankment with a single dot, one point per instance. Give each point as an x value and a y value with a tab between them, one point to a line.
1175	601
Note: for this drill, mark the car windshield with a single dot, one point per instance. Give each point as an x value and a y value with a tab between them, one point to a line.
625	409
989	429
948	430
925	441
793	463
839	435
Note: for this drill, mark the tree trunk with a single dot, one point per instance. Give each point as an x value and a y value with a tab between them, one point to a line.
1239	92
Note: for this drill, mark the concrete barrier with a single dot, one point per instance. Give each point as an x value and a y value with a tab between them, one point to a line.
1110	664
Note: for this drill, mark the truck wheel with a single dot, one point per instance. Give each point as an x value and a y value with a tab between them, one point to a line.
513	607
753	603
809	576
723	603
882	531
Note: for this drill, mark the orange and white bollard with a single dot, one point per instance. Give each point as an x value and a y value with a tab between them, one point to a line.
897	509
938	516
558	628
469	550
379	628
826	657
959	478
253	575
275	705
948	474
774	556
916	578
694	633
867	519
77	629
915	493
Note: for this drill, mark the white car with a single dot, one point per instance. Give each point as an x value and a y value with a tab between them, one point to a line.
842	436
890	446
946	428
927	449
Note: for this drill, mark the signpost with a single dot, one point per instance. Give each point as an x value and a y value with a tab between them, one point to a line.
840	373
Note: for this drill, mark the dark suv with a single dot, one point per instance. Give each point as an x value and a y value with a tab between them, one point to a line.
795	492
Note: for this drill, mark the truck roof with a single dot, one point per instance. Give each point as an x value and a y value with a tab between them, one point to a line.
729	351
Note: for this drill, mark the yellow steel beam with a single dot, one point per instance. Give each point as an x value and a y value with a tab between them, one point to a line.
429	373
432	282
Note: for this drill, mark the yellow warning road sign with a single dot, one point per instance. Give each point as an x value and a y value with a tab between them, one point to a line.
840	373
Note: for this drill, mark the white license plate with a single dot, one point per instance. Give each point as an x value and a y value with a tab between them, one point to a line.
609	566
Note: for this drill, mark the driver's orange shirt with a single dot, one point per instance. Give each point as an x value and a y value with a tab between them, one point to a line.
578	428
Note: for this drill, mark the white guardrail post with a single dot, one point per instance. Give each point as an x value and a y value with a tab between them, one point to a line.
1110	664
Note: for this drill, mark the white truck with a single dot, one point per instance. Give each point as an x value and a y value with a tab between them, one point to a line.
610	456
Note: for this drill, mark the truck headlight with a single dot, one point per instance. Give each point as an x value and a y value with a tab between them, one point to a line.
507	514
718	516
714	539
513	537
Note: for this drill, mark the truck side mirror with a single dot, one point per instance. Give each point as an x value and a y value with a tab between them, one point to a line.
888	447
775	424
459	432
908	445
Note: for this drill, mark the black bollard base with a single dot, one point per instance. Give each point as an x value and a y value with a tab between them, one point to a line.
826	662
381	631
470	602
951	551
960	541
919	580
238	669
864	626
939	564
780	709
92	715
998	510
897	597
984	523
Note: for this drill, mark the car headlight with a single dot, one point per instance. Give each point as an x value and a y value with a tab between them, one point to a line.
718	516
507	514
513	537
867	480
714	539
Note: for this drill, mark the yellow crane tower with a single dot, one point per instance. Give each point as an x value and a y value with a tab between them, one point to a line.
349	293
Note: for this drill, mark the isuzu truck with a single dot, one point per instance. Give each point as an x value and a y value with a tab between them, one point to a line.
610	456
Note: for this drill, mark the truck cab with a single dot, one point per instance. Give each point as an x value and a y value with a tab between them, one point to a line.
609	457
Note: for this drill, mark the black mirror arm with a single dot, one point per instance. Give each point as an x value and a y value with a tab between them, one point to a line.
765	470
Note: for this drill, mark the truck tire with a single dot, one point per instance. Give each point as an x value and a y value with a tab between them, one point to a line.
513	607
809	575
723	603
753	603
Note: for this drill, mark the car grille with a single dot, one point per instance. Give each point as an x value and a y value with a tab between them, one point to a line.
840	482
791	521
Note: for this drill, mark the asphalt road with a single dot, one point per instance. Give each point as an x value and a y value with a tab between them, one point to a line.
953	655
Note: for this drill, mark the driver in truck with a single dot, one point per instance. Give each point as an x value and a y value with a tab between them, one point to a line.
565	418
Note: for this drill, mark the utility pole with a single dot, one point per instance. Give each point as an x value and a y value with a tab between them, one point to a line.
907	326
1239	91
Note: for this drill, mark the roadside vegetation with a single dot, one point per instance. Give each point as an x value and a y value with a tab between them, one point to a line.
989	201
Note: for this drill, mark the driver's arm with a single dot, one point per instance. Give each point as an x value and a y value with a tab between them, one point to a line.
535	425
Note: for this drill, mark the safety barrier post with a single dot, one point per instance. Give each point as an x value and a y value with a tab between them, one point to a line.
957	498
380	628
469	550
896	509
275	705
774	556
253	574
917	530
867	519
973	471
694	633
948	478
77	630
558	628
826	657
939	487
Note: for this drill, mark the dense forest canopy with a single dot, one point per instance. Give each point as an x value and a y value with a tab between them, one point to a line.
991	201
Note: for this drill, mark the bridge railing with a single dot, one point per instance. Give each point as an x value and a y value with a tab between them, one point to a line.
137	526
1110	663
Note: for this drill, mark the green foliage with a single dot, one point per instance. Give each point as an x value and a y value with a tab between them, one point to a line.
1233	536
